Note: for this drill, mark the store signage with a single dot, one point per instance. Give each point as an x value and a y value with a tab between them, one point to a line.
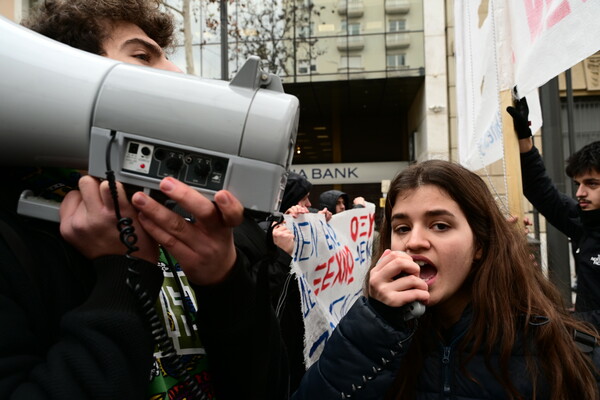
345	173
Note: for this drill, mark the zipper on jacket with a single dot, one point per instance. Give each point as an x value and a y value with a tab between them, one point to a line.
446	362
446	371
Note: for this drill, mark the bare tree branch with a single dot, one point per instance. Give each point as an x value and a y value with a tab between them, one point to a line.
170	7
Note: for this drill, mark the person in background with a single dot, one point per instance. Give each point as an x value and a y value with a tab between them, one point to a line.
295	202
296	193
78	318
336	201
493	327
579	218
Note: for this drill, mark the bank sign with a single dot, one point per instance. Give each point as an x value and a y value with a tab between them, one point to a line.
345	173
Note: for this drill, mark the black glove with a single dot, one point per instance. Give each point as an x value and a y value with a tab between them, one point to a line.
520	116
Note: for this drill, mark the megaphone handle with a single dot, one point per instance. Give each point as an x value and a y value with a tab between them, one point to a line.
38	207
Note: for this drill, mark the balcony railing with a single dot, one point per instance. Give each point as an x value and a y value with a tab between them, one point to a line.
350	43
397	6
351	8
397	40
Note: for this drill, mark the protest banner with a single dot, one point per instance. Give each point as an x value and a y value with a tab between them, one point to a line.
330	261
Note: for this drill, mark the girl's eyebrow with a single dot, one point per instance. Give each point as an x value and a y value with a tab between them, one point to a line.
430	213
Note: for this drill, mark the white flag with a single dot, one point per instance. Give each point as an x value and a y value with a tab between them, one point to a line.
477	48
551	36
486	61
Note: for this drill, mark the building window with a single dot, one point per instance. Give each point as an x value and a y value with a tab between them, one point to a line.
352	62
396	60
352	28
304	66
397	25
306	31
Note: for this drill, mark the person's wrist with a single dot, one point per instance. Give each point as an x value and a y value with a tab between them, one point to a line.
525	144
523	131
212	273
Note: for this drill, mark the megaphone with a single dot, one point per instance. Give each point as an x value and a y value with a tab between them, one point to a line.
65	107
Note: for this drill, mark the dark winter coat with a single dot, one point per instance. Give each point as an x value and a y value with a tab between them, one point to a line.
362	357
283	291
71	328
564	213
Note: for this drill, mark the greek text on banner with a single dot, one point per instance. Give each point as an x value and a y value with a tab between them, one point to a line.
330	261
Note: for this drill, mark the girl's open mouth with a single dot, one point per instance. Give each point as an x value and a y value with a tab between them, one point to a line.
428	271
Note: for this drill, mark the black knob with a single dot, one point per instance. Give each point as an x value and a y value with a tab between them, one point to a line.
202	169
174	163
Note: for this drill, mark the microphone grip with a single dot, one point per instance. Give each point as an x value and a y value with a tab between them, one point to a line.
413	310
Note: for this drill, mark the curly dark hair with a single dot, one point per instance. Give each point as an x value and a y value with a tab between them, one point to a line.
85	24
587	159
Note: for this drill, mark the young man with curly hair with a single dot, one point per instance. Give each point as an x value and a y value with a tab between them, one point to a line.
135	31
71	325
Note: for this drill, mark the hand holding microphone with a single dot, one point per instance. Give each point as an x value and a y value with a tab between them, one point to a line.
395	282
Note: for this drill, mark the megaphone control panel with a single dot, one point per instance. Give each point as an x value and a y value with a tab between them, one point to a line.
141	161
196	169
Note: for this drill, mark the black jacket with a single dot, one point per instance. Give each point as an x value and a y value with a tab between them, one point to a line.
582	227
71	328
283	291
362	357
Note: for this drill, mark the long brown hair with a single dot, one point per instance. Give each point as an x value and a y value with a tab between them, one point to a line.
504	283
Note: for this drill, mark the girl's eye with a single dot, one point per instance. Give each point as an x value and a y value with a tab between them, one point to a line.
440	226
401	229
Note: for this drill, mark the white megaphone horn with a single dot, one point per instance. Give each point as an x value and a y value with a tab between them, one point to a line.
64	107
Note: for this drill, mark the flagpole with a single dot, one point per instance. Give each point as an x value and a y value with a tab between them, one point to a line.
512	159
